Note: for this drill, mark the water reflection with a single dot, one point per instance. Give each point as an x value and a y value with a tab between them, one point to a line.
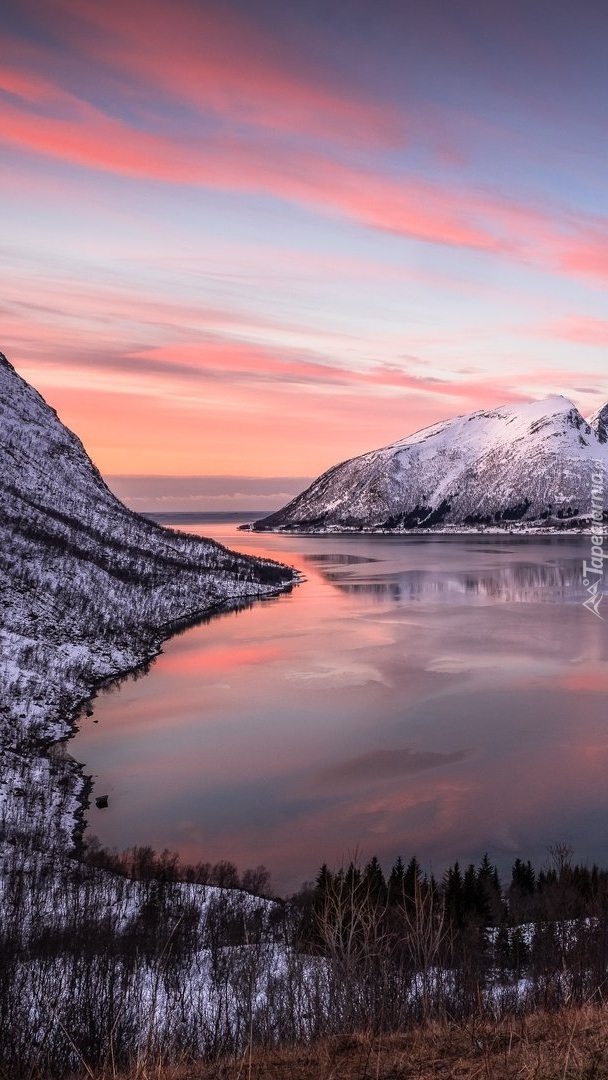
539	583
338	560
336	717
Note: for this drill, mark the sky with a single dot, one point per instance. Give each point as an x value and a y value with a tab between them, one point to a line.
243	241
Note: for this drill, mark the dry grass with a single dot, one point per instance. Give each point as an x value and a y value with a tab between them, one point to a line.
569	1045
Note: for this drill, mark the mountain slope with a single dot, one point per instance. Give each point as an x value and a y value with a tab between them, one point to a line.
529	463
599	422
88	589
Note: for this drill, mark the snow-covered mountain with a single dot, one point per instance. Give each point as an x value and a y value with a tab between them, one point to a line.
528	464
88	589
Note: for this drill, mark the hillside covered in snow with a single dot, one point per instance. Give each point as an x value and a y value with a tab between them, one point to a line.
527	465
88	590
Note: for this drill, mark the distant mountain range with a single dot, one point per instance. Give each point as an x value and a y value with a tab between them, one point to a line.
528	465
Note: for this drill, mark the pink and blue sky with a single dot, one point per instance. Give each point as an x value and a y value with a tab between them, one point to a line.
244	241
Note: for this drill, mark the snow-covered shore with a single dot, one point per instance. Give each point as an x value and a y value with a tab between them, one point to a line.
439	530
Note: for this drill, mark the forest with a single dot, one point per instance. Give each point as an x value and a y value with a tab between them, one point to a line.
114	959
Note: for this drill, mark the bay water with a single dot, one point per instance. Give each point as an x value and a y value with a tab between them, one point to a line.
434	695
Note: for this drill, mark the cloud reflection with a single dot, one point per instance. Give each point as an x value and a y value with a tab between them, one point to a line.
375	765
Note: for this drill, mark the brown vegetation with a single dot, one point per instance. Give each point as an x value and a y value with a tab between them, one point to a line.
572	1043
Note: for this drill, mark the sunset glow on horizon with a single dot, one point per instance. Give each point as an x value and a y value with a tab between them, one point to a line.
245	241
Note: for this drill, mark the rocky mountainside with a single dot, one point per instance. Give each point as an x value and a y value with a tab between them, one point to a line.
599	422
519	465
88	590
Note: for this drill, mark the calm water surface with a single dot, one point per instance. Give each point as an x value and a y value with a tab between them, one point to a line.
434	695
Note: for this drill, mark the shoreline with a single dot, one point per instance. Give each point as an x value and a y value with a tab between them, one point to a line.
44	758
456	530
75	712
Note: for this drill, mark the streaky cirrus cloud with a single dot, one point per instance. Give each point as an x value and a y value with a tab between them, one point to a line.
216	361
401	202
582	329
403	205
220	61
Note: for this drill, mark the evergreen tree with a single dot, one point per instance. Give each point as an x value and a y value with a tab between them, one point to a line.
470	894
523	878
373	879
453	892
323	879
412	879
490	902
524	890
395	882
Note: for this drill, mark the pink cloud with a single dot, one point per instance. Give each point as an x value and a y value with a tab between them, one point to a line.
235	77
32	87
222	62
581	329
93	303
96	141
239	361
404	205
586	254
230	74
